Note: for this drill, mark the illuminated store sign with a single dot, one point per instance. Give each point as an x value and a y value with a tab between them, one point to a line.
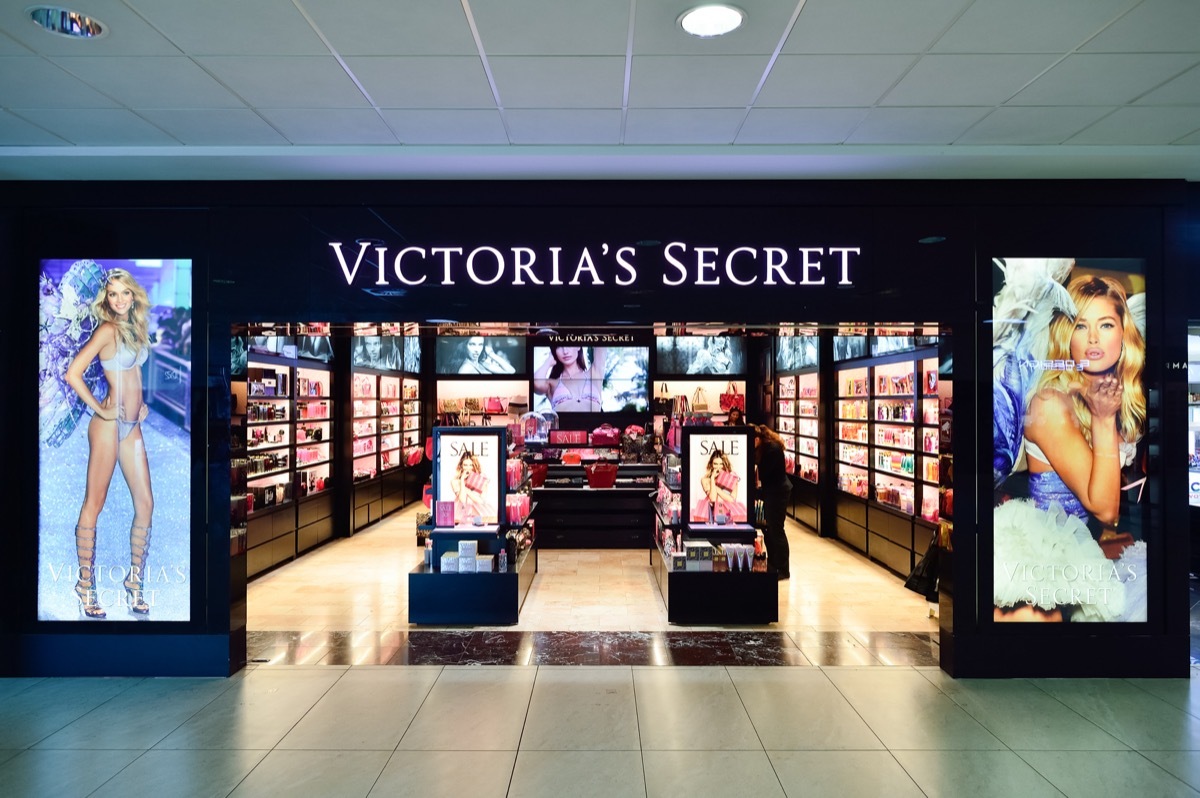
519	266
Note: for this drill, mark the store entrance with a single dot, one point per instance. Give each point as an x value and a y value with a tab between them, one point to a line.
336	466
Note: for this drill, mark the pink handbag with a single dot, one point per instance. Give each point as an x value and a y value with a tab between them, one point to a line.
728	480
475	481
731	399
606	435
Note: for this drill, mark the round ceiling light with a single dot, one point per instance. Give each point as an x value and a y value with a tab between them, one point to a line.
65	22
708	21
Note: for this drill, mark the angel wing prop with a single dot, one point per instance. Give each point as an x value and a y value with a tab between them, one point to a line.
64	324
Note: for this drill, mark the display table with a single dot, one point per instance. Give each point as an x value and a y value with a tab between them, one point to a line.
479	599
717	597
574	516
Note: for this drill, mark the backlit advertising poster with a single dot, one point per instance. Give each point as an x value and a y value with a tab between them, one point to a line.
1069	440
114	465
719	475
469	476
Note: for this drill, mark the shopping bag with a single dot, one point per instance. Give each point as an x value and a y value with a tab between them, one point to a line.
731	399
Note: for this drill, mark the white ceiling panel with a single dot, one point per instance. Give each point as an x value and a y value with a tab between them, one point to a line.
1137	125
233	27
229	127
559	82
831	80
966	79
447	127
107	127
915	125
1154	26
424	82
127	33
694	81
10	46
32	82
164	82
800	125
19	132
552	27
657	30
1103	79
387	27
287	82
1052	125
1029	26
682	125
868	26
1191	141
1183	90
337	126
571	127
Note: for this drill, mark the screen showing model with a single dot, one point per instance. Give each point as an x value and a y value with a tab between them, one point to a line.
719	469
591	379
1069	435
114	472
480	354
795	352
701	354
469	478
385	352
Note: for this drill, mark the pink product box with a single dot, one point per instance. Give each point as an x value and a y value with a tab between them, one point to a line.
443	514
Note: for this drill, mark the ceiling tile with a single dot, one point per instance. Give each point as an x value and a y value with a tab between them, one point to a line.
966	79
347	126
1183	90
692	81
1052	125
17	132
581	126
559	81
552	27
831	80
1102	79
231	127
1029	26
128	33
10	46
915	125
424	81
868	26
682	125
231	27
152	81
1192	140
1143	126
657	30
1154	26
98	127
385	27
33	82
800	125
447	126
287	81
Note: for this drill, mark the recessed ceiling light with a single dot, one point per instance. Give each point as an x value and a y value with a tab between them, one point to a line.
708	21
65	22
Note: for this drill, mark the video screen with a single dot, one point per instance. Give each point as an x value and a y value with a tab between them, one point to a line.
480	354
795	352
1070	418
114	440
383	352
591	379
679	355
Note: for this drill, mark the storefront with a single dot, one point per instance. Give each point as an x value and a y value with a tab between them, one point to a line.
774	259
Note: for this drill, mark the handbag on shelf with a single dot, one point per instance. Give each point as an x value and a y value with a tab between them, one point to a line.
451	406
494	405
518	405
473	404
699	401
601	475
475	481
731	399
413	456
661	405
606	435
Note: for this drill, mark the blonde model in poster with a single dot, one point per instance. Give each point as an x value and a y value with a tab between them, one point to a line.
122	343
471	502
1081	427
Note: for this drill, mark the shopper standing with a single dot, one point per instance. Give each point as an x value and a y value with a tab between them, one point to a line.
775	489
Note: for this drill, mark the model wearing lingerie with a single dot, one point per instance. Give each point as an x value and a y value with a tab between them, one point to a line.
125	359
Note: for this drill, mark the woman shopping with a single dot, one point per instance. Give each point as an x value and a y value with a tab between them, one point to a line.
775	490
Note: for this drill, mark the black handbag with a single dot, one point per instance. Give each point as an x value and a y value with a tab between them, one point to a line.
661	405
924	577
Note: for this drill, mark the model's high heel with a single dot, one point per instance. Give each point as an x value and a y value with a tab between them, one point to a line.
139	550
85	588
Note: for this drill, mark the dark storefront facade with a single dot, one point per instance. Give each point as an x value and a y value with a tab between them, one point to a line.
603	255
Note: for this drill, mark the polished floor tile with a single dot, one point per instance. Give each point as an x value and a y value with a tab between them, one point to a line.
800	710
979	774
842	774
182	774
1128	713
286	774
61	772
582	709
710	774
579	774
1088	773
694	709
473	709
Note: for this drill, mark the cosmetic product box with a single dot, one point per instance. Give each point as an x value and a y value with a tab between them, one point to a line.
699	555
483	563
468	549
450	562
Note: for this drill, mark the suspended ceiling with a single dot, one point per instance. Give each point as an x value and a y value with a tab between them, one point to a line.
449	89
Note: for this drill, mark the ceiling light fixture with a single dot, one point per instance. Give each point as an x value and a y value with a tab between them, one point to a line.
65	22
708	21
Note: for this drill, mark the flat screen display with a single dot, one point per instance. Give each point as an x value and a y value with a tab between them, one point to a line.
383	352
480	354
1070	417
680	355
795	352
114	414
591	379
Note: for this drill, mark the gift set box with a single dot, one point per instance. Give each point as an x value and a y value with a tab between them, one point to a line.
699	555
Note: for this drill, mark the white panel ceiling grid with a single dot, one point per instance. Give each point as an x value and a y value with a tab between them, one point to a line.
605	88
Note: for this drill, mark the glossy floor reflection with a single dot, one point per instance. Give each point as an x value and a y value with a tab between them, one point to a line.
617	730
347	604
